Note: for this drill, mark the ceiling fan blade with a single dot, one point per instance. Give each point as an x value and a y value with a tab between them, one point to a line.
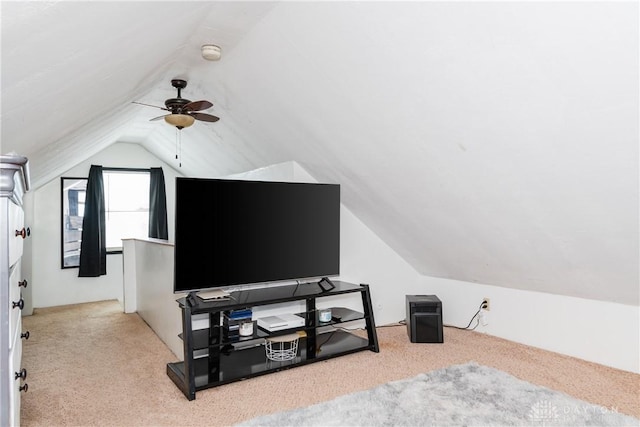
149	105
204	117
159	117
198	105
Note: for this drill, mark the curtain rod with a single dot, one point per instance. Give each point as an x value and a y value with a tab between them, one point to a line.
127	169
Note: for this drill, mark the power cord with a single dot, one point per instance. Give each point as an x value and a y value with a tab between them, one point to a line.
475	316
393	325
403	322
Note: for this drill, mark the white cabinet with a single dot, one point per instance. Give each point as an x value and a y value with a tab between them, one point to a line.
15	295
16	385
14	181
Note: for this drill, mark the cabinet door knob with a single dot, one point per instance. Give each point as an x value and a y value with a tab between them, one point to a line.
23	283
24	388
23	233
19	304
22	374
25	335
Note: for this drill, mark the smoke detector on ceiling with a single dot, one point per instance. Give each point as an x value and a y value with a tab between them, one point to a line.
211	52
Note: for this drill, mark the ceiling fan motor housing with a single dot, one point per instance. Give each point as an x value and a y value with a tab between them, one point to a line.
175	105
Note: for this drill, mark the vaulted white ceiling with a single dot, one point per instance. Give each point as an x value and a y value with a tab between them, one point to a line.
488	142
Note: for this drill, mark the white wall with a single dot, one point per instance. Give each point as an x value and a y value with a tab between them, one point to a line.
149	277
597	331
53	286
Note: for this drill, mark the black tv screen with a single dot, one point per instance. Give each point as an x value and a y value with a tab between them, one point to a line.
232	232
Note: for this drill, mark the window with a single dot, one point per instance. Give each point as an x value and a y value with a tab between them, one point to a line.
126	198
126	194
73	196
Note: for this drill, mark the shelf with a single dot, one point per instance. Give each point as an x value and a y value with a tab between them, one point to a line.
202	338
271	295
344	314
252	361
339	342
216	360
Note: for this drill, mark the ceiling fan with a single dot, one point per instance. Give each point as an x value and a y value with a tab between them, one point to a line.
183	112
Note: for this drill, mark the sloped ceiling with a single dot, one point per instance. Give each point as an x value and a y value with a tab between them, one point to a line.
487	142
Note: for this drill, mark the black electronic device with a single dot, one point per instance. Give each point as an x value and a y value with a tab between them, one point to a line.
191	299
326	284
235	232
424	319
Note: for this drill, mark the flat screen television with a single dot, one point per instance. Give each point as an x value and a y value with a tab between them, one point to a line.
234	232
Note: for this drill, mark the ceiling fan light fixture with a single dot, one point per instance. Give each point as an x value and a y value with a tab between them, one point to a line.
179	120
211	52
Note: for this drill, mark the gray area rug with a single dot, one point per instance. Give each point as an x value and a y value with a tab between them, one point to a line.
461	395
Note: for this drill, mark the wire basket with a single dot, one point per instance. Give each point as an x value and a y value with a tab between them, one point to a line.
281	348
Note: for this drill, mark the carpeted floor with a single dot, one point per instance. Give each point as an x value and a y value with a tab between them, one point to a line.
91	364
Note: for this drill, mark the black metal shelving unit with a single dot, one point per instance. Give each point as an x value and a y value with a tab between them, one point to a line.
211	359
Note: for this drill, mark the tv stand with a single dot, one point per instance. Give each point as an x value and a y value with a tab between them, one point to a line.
212	359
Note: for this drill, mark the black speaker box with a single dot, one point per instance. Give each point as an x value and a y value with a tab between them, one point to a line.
424	318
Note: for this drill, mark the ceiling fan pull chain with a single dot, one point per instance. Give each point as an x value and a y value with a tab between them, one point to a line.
177	136
180	146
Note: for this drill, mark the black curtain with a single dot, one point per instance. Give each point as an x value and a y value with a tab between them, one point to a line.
93	248
157	205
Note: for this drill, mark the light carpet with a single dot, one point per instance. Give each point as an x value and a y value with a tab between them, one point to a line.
468	394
